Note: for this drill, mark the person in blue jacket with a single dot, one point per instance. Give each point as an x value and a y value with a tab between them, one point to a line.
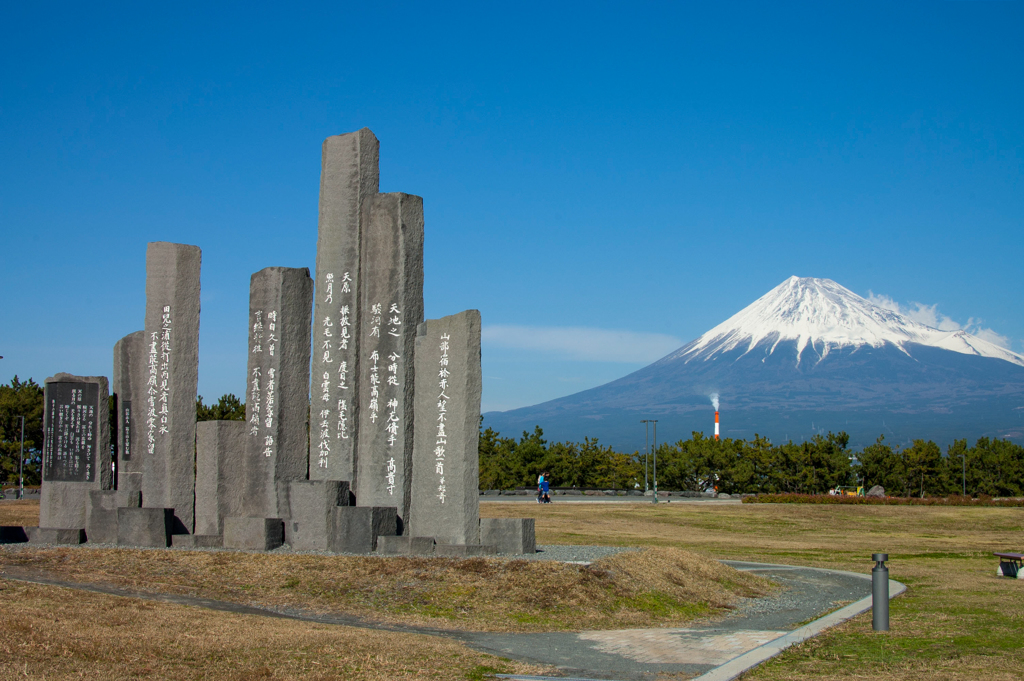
545	487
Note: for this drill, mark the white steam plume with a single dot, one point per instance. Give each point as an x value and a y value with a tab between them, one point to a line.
714	400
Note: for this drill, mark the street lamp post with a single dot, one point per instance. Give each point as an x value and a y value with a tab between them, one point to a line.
654	421
964	479
647	431
21	462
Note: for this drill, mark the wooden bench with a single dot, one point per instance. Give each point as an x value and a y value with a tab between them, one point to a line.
1010	565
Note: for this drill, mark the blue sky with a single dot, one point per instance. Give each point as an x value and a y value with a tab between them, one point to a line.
603	181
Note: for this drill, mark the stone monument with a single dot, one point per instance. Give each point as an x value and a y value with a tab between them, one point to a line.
220	451
129	365
76	455
369	443
165	408
391	310
348	181
275	451
446	464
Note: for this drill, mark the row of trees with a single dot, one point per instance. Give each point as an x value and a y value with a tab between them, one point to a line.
25	398
21	398
993	467
507	464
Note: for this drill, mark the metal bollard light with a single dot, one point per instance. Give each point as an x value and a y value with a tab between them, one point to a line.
880	593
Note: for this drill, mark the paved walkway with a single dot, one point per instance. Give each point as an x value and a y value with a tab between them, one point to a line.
573	499
629	654
757	629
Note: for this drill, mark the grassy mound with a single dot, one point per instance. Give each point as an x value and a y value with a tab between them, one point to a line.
652	587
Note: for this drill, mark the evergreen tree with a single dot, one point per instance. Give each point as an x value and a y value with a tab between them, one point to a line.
21	398
228	408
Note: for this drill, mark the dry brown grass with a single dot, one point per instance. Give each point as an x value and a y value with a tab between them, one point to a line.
660	586
53	633
21	512
957	621
816	533
663	586
682	575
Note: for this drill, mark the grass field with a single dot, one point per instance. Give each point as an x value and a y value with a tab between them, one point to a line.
52	633
957	621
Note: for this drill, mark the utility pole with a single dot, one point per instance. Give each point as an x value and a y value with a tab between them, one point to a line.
21	462
964	457
647	431
655	422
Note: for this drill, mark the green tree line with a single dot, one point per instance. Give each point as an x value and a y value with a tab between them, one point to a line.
17	399
507	464
990	467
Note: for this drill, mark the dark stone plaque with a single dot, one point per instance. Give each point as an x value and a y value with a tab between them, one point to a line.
69	449
126	430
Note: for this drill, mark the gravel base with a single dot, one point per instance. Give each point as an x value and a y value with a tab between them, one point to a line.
575	554
565	554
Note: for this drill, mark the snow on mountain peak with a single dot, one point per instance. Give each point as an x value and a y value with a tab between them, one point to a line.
826	316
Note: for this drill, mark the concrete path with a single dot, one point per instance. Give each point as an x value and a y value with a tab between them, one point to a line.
713	650
629	654
572	499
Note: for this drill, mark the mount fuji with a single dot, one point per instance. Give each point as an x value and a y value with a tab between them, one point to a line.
809	356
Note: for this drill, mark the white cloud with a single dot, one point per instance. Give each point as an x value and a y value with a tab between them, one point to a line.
992	337
929	315
583	343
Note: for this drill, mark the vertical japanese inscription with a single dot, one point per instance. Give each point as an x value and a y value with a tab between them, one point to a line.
391	308
348	181
263	379
441	442
385	387
158	381
256	375
446	456
126	430
335	355
70	439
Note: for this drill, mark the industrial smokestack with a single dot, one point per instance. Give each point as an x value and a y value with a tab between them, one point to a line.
716	425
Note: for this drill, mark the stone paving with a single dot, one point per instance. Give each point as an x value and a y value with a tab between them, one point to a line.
678	646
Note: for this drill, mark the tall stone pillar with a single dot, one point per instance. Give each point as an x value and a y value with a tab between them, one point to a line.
446	459
391	309
166	417
280	304
348	180
76	448
129	368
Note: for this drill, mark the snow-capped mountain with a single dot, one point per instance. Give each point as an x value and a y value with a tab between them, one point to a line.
808	356
822	316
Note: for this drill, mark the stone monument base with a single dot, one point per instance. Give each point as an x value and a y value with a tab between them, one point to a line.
144	526
197	541
129	490
54	535
358	529
312	522
406	546
253	534
101	517
509	535
465	550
